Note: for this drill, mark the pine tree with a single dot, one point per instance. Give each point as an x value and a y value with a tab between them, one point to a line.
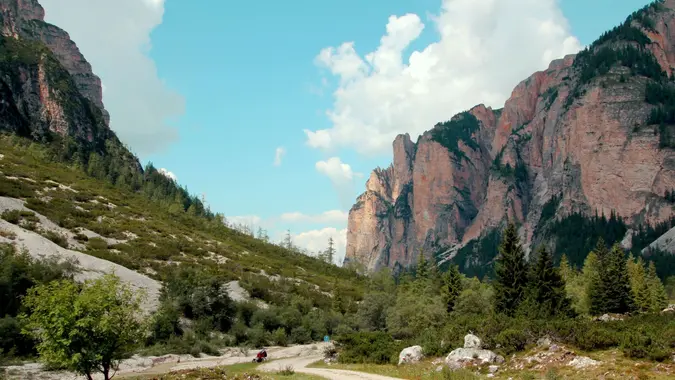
546	290
511	273
657	292
452	286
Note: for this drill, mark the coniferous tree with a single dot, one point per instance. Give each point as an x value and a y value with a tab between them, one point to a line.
423	269
452	286
638	285
546	288
613	293
566	270
330	252
511	273
287	243
657	292
595	277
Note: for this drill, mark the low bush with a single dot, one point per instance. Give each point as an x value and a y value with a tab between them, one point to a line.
511	340
56	238
368	347
12	216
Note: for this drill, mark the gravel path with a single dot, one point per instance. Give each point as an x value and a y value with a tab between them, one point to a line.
300	365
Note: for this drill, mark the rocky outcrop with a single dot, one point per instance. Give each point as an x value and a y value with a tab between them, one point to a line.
410	355
471	354
25	19
572	132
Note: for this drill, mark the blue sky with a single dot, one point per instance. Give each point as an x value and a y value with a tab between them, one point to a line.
233	81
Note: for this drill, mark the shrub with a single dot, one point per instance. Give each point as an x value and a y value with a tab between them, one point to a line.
258	337
640	345
595	337
56	238
368	347
287	371
301	335
12	216
81	237
511	340
279	337
97	244
165	324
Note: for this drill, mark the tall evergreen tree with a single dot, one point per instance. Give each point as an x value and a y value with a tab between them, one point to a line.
613	293
511	273
566	270
330	251
590	278
452	286
423	268
657	292
546	288
595	278
638	285
287	243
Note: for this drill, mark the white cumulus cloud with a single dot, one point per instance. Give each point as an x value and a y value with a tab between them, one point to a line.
114	36
278	155
167	174
342	177
317	241
336	170
484	48
327	217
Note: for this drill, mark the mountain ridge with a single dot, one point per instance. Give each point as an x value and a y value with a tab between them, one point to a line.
574	131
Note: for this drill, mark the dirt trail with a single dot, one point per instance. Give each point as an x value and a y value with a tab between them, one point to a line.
300	365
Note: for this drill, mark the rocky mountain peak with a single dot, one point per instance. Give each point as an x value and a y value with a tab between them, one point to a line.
591	133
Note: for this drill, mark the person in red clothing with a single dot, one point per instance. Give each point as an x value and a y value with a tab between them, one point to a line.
262	355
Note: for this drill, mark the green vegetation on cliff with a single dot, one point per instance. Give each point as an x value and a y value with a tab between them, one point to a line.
461	128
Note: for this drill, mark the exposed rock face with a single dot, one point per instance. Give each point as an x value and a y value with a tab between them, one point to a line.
48	91
560	134
25	19
410	355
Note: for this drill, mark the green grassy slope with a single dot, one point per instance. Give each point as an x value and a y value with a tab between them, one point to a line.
161	240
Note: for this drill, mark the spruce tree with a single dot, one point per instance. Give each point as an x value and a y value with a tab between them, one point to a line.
452	286
546	288
510	272
330	252
423	268
595	285
615	291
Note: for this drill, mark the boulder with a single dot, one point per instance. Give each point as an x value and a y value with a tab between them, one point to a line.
410	355
472	341
583	362
462	357
544	342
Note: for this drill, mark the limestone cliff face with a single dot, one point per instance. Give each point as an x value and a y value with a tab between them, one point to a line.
568	131
25	19
49	93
